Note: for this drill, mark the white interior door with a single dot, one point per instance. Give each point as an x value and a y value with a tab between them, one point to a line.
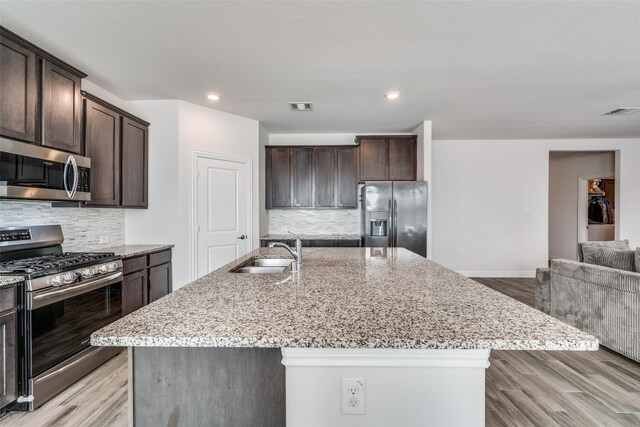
221	213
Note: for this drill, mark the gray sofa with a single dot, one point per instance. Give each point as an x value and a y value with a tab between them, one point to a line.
599	299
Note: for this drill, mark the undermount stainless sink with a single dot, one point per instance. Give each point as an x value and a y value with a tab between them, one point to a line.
270	262
264	265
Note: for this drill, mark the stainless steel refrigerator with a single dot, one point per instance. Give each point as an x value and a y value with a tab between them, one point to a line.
394	214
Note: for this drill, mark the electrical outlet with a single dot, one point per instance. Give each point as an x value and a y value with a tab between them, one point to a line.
105	239
353	396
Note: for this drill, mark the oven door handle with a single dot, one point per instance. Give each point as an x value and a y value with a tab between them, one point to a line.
49	297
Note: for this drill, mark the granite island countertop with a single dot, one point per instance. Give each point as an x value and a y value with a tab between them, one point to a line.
311	237
343	298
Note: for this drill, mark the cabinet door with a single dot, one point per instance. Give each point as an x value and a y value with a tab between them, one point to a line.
135	158
134	291
61	108
373	159
8	359
402	159
278	178
102	145
301	177
325	177
18	96
347	178
159	281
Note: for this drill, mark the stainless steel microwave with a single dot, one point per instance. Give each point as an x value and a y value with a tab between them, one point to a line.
30	171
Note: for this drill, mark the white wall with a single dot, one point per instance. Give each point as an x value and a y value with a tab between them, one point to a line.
159	223
484	190
213	131
177	129
95	90
564	172
319	138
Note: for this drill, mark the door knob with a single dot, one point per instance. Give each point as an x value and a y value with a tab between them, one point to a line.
242	237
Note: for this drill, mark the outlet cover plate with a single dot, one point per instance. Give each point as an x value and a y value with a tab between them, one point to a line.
353	396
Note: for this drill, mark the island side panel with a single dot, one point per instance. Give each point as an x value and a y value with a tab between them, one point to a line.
186	386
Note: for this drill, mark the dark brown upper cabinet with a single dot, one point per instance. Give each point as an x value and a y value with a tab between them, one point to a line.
102	145
347	177
311	177
402	159
373	159
61	108
325	177
302	177
278	182
118	145
387	158
18	91
135	163
40	99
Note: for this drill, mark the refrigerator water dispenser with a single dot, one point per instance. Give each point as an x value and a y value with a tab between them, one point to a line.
378	227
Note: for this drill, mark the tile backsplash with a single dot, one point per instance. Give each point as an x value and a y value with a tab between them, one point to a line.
314	221
82	227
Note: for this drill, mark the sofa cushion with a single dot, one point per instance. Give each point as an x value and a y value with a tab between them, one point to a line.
607	257
638	260
613	244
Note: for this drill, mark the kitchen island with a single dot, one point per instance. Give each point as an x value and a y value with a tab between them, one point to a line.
256	349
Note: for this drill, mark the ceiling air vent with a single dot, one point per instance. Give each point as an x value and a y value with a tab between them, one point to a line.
300	106
625	111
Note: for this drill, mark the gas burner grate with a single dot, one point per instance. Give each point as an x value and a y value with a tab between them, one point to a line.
51	262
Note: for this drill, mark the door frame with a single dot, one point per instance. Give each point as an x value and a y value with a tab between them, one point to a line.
583	197
195	155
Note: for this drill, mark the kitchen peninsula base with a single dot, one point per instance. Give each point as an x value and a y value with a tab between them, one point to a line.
192	386
246	386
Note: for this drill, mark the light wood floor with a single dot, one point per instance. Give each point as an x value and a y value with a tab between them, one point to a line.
559	388
524	388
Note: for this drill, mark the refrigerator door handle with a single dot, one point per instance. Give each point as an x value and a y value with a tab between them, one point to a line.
390	225
395	223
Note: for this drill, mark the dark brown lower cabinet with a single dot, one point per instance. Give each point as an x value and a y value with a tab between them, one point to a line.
159	281
146	279
324	243
134	291
8	346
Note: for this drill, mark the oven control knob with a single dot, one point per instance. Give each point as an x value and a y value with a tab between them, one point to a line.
88	272
69	277
103	268
55	280
113	266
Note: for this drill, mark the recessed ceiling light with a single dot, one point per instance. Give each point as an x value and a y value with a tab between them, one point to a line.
392	95
300	106
624	111
213	97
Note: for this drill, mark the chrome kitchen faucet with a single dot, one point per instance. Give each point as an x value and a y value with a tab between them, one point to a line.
297	254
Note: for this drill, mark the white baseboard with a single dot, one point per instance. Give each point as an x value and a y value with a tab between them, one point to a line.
498	273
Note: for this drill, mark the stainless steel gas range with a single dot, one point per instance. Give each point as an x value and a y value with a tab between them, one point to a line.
64	299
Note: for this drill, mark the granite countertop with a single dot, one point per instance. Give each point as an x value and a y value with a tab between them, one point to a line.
128	251
10	280
343	298
311	237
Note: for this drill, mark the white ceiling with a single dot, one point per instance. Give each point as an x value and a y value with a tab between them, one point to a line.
479	70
